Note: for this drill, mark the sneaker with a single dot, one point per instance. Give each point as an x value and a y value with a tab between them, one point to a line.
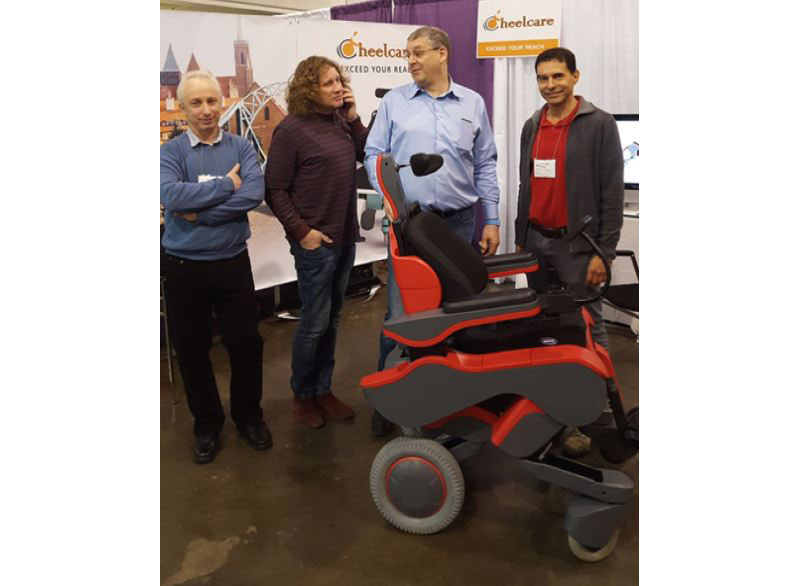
577	445
333	407
307	413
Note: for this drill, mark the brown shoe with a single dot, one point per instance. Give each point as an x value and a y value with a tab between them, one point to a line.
334	408
307	413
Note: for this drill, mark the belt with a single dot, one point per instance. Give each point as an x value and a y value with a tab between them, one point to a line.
448	213
548	232
180	259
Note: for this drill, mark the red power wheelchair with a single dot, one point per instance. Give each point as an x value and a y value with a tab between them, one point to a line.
508	367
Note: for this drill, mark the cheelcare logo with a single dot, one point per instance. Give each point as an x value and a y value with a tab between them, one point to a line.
491	23
496	22
350	49
347	48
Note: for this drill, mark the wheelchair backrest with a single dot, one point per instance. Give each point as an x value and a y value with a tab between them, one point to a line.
457	264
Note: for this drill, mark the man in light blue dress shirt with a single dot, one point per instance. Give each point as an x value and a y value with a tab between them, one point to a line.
433	114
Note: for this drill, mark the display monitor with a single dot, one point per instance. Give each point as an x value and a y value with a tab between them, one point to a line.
628	125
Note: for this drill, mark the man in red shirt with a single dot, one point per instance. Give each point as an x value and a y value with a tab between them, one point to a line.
570	166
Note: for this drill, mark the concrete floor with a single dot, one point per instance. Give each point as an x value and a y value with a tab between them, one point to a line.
301	513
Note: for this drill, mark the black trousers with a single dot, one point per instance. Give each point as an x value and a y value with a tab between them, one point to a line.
194	289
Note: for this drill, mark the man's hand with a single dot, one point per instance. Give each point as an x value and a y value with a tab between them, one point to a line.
519	248
314	239
188	216
596	273
234	175
490	240
349	107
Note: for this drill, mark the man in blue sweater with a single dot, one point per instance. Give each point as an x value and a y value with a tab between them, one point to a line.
210	179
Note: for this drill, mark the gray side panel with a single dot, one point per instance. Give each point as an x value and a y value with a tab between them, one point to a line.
591	523
424	325
468	428
465	450
569	393
530	434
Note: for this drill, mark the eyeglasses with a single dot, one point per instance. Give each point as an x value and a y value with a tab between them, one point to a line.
417	55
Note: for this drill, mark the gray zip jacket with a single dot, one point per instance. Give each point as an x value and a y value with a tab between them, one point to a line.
594	178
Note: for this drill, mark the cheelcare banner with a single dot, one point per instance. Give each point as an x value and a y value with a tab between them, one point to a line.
517	28
373	55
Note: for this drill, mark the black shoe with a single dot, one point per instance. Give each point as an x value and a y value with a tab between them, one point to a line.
205	448
257	435
381	427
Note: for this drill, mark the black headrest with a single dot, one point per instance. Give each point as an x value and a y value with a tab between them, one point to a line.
424	164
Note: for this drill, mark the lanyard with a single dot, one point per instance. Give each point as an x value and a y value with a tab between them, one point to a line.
213	152
539	140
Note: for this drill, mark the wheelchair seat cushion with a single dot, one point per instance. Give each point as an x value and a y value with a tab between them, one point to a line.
457	264
565	328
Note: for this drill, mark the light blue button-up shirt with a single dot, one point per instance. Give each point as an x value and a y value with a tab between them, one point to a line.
454	125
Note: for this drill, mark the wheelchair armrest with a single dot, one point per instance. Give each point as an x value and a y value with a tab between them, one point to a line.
501	265
427	328
490	300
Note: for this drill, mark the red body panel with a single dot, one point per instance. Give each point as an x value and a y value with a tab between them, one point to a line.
473	412
523	358
419	286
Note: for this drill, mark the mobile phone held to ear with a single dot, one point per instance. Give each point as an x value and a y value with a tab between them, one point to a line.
345	104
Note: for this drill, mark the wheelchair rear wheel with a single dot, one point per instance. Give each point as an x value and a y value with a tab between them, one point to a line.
417	485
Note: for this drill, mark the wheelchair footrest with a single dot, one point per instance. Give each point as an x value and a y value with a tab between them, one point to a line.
608	486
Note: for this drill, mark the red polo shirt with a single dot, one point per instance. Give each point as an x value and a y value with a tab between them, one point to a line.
549	196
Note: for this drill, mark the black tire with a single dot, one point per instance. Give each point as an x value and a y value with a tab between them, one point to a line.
417	485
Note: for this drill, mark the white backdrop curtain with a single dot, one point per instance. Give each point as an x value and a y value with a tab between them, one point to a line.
604	35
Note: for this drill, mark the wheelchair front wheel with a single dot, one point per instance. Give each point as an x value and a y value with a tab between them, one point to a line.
417	485
591	554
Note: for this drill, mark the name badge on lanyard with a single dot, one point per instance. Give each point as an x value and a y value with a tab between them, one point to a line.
544	168
204	178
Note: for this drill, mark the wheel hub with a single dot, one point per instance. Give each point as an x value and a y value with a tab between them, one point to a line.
415	487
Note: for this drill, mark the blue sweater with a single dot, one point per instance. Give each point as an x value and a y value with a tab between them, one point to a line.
221	230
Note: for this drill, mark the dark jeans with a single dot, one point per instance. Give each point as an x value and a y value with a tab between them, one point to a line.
194	289
463	223
322	276
571	270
